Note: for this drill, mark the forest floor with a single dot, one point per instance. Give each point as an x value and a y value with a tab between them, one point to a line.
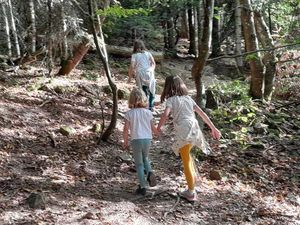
80	181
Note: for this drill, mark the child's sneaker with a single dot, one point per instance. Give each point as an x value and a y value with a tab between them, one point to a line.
192	197
140	191
151	179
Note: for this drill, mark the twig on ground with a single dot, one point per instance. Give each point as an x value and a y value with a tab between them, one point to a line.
173	207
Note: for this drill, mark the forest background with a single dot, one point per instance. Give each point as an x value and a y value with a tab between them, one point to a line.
63	83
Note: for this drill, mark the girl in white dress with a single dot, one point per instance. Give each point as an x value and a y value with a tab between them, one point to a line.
142	66
187	130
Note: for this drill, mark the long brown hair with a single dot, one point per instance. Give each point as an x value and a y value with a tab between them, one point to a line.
173	86
138	46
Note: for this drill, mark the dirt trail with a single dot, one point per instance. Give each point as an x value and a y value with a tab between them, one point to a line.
86	183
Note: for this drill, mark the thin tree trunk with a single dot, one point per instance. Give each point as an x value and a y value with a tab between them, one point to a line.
6	28
268	59
192	34
184	29
33	25
238	34
216	45
103	56
64	51
257	76
171	36
14	29
204	48
50	41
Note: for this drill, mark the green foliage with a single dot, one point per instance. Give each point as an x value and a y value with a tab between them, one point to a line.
119	12
238	112
90	75
252	57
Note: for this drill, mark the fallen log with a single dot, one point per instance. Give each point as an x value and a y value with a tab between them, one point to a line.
127	52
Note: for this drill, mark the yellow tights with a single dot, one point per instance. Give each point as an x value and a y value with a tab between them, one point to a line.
188	166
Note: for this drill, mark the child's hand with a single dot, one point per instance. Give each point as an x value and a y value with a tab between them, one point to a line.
216	134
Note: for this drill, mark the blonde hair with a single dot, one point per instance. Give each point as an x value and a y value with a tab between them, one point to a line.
174	85
137	99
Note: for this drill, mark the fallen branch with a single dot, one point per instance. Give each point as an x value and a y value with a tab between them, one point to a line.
251	52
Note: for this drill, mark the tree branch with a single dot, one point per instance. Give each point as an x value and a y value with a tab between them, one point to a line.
251	52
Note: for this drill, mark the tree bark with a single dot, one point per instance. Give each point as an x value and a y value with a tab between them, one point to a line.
50	41
204	48
184	29
103	56
238	35
33	25
256	68
6	28
79	53
14	29
268	59
192	34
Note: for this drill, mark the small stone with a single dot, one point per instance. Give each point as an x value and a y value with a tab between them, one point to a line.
215	175
36	201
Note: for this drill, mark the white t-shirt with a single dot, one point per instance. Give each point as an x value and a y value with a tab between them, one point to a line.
141	61
140	123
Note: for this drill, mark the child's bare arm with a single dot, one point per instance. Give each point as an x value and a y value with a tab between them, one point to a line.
163	118
214	131
125	134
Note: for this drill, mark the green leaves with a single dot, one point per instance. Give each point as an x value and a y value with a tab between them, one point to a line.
119	12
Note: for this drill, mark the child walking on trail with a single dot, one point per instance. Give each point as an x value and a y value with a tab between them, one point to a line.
142	66
139	121
187	130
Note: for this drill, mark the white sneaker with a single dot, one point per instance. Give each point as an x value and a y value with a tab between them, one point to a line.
192	197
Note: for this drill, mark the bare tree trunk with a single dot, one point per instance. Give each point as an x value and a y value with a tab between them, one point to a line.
50	41
192	34
268	59
256	67
33	25
6	27
171	35
204	48
64	47
14	29
238	34
103	56
184	29
216	45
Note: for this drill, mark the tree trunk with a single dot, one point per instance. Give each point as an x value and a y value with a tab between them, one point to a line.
171	35
14	29
103	56
6	28
216	45
204	48
268	59
50	41
79	53
32	25
238	35
64	44
192	34
256	68
184	29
